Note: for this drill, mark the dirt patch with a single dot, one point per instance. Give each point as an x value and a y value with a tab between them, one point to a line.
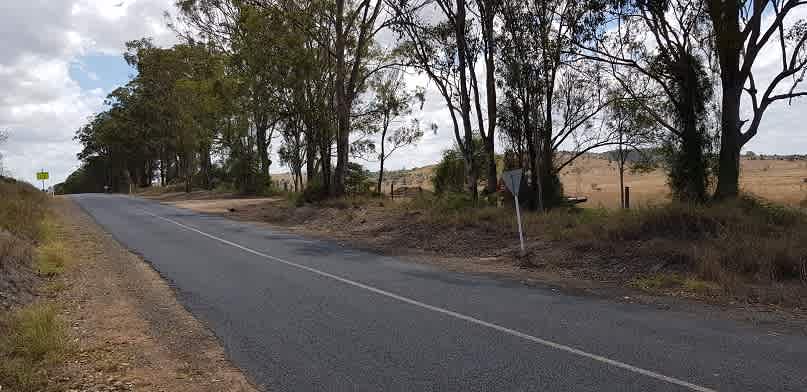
17	277
130	331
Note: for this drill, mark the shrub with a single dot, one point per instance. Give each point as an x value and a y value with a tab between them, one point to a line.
314	191
357	179
449	175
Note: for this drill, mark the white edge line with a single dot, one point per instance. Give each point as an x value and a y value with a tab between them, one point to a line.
544	342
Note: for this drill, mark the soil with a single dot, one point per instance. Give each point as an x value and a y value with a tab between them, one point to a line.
17	277
482	248
130	331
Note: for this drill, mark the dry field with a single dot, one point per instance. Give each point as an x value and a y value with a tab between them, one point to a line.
776	180
598	180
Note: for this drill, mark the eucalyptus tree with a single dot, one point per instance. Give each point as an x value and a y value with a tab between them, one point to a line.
247	35
659	53
555	96
743	31
390	109
433	36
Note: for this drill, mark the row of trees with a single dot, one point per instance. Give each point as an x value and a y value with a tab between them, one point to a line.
548	79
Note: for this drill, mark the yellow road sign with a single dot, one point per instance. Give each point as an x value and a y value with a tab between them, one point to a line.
42	176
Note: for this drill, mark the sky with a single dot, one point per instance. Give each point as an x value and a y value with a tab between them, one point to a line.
60	58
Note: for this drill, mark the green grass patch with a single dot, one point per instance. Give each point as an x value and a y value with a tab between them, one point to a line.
32	341
658	282
667	281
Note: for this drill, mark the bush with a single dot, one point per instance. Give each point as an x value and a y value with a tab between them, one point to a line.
314	191
449	175
357	179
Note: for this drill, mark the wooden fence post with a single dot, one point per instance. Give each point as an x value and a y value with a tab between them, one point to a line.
627	197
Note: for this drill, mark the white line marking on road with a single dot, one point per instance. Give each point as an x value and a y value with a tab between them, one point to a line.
544	342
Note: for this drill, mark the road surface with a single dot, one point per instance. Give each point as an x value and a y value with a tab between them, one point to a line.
298	314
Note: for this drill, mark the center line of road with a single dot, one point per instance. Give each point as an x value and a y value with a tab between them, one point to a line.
473	320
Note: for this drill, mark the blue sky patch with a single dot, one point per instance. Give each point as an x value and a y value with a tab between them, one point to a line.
100	71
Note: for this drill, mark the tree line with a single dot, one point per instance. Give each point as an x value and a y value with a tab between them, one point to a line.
531	84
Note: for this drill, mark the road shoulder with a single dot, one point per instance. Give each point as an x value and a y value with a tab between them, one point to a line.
130	331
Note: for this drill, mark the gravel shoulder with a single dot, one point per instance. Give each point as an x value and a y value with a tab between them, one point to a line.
131	333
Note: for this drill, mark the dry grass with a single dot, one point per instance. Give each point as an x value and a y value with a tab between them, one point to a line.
598	179
747	248
741	246
22	209
51	258
33	339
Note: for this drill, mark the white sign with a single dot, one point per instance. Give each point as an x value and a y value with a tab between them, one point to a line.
512	180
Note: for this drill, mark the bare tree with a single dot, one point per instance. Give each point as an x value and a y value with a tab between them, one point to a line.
440	49
743	29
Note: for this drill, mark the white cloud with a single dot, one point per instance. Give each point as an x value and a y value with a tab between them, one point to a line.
41	105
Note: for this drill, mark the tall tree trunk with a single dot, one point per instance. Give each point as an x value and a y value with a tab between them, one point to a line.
728	178
548	195
465	104
342	109
490	86
725	16
263	148
382	157
532	150
622	158
310	155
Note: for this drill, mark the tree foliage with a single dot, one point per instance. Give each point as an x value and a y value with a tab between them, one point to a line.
551	80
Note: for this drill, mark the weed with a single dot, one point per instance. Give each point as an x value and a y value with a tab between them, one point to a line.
32	339
51	258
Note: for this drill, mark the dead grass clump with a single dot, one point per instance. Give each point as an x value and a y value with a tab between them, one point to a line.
31	340
736	243
51	258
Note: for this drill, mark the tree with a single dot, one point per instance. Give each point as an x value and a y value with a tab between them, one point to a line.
635	129
552	95
439	48
661	62
743	29
389	107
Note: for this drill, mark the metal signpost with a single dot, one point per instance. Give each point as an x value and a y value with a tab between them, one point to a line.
512	179
43	176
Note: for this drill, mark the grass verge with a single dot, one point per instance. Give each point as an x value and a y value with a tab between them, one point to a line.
33	339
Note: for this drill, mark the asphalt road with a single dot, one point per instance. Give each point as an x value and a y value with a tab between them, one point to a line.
298	314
